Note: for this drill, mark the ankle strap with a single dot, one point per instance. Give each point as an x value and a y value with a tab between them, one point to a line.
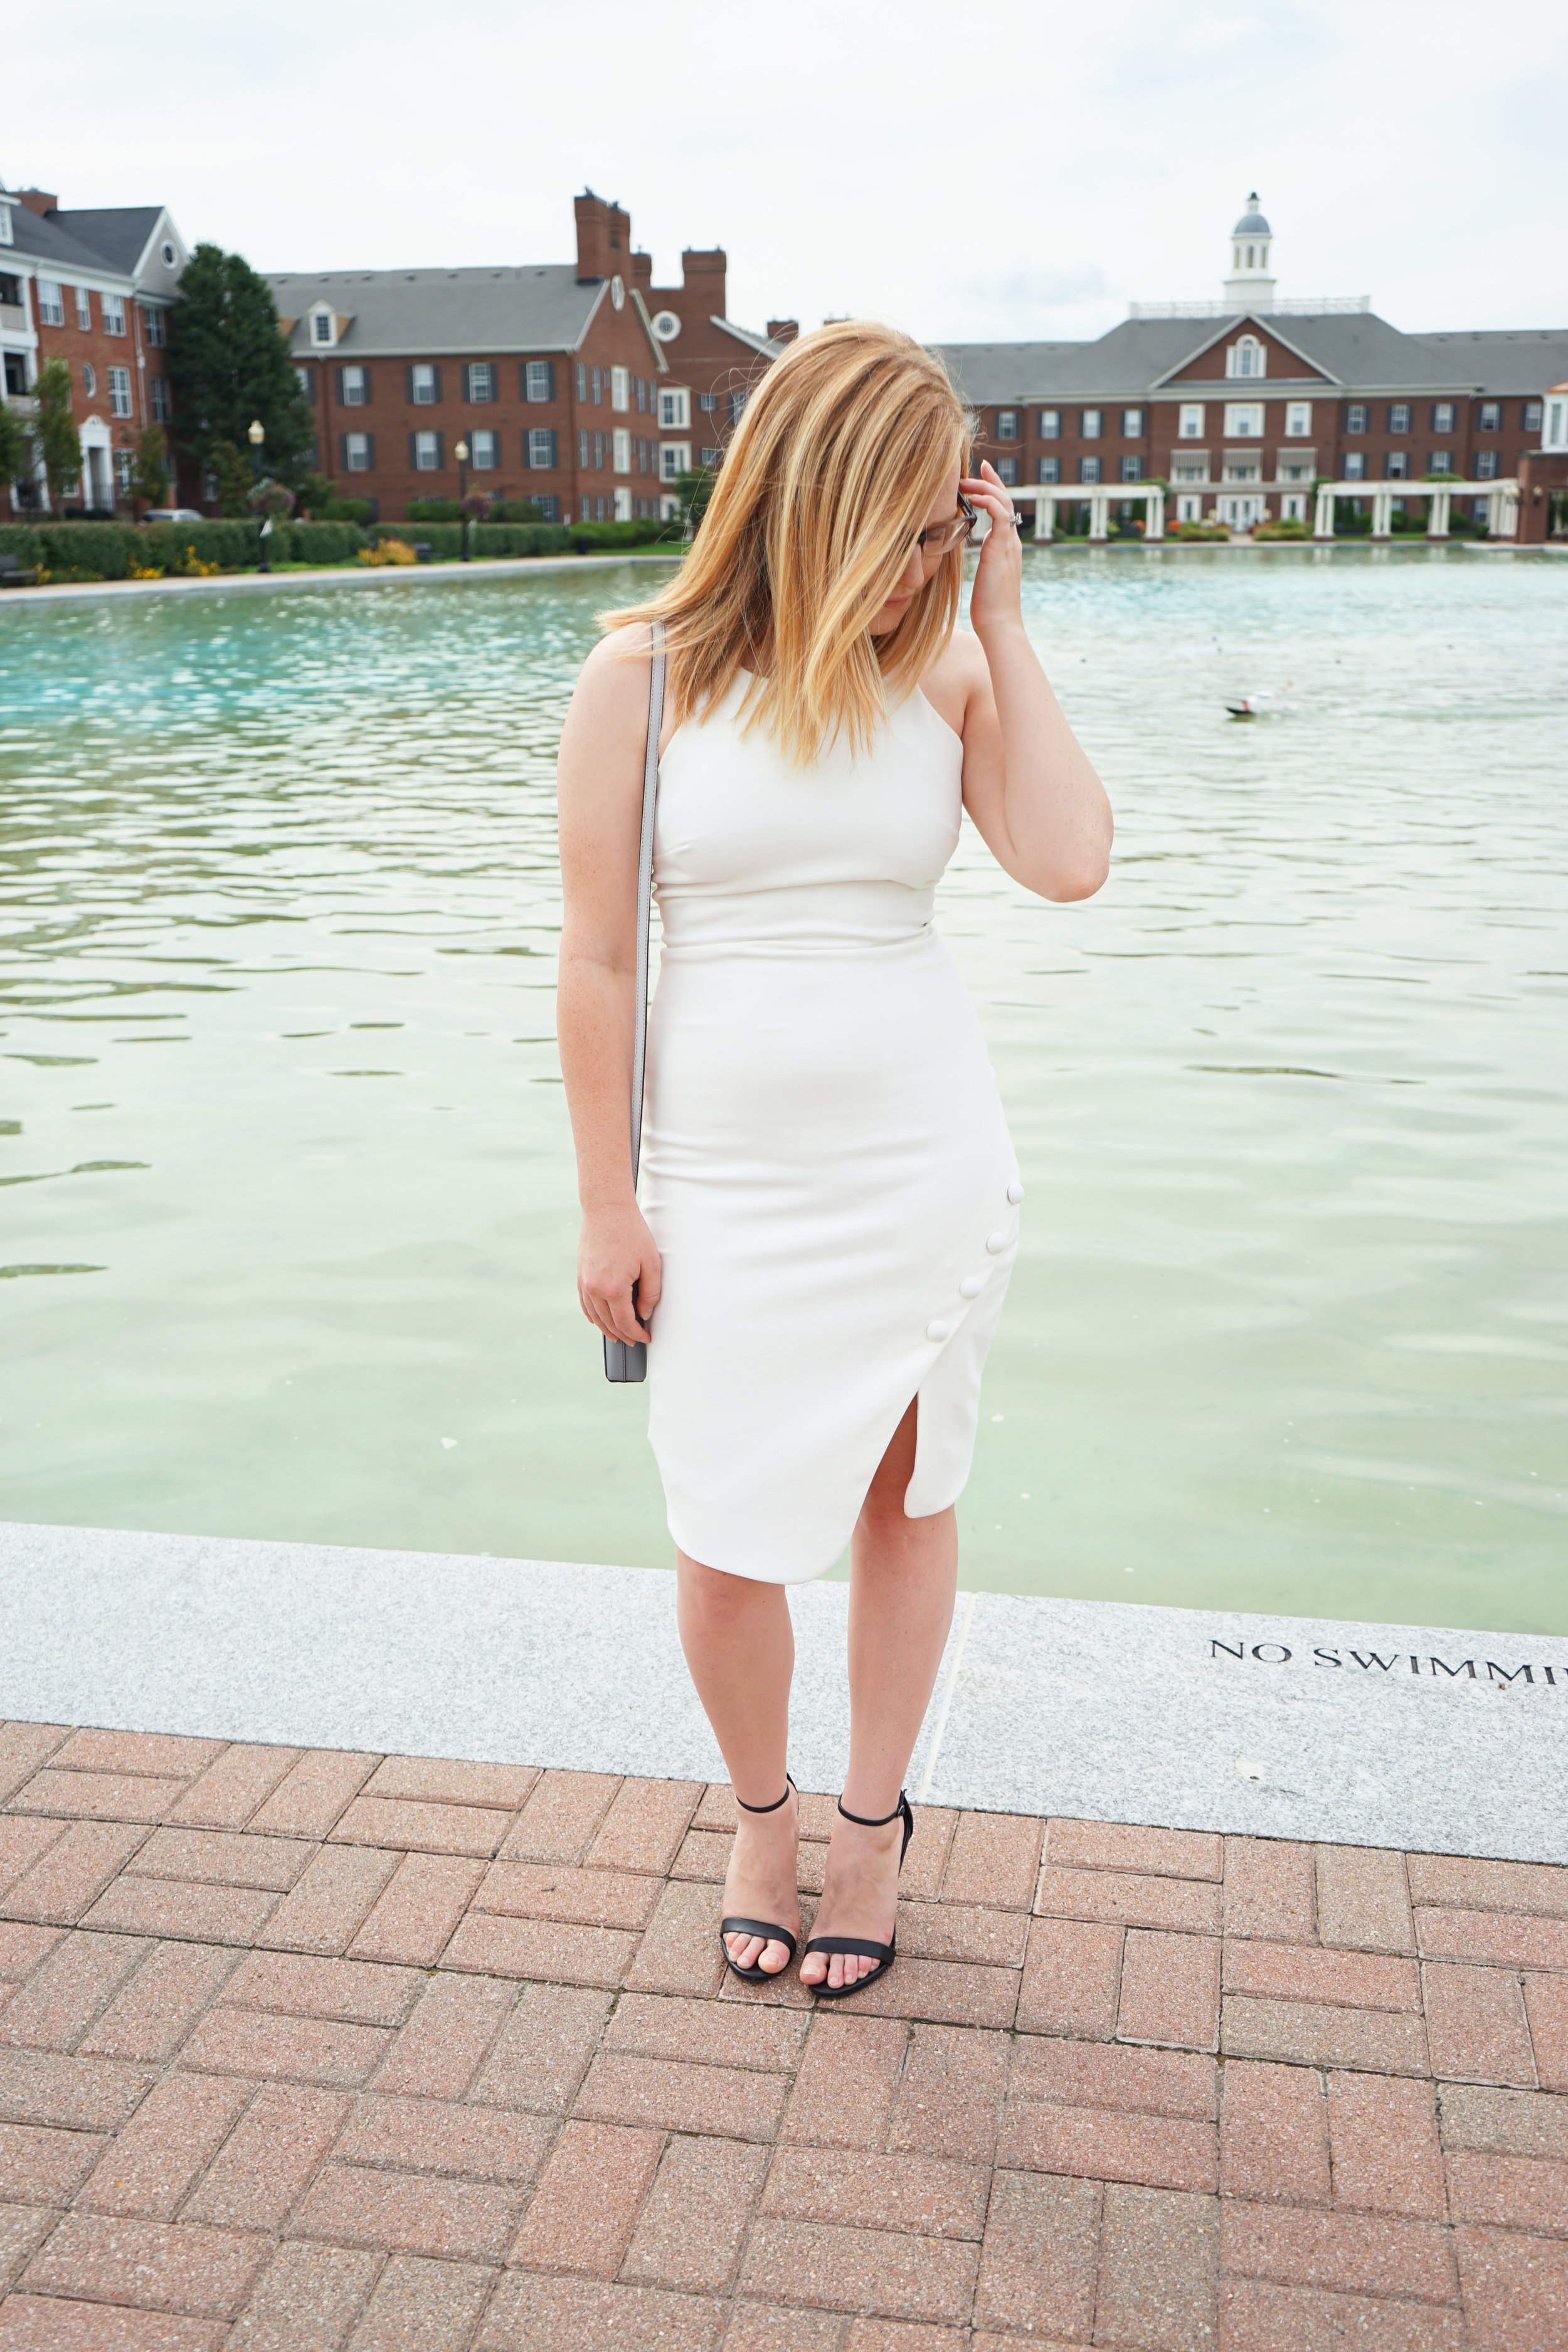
776	1802
865	1820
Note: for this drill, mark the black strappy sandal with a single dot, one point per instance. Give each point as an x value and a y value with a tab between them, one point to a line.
855	1947
758	1927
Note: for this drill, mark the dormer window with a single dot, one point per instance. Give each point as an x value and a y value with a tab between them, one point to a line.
323	327
4	225
1245	357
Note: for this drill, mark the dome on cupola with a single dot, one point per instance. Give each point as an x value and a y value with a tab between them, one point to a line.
1252	223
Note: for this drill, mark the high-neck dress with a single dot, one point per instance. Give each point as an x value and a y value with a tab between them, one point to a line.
827	1168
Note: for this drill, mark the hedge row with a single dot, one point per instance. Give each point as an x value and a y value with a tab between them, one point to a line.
445	540
124	551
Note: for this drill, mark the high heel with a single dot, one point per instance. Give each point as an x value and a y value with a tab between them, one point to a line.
763	1927
857	1947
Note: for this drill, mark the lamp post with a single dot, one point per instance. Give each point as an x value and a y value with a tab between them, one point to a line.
461	455
256	437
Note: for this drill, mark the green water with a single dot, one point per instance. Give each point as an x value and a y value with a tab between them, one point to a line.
286	1194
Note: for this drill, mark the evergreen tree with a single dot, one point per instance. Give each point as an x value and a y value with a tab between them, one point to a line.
54	427
150	466
15	445
229	363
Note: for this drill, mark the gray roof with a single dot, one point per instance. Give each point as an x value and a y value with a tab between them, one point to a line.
119	234
1252	223
541	307
1355	349
48	242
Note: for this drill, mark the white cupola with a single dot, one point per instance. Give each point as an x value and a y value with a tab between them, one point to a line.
1251	286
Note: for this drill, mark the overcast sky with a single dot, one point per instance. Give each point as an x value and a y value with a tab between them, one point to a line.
1013	171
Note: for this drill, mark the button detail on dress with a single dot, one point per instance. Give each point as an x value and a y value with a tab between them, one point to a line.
1014	1194
936	1330
994	1241
972	1286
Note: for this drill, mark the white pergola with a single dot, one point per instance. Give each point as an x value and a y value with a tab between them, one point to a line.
1501	497
1502	506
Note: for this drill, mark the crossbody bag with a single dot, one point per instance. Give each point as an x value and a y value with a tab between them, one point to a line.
624	1359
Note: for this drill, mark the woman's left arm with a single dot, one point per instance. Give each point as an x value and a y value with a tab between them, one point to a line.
1036	800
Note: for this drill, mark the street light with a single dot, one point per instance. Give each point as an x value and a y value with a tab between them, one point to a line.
256	437
461	455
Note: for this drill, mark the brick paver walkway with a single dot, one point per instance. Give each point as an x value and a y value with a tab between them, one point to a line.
303	2051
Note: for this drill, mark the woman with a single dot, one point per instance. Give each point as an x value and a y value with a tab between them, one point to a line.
830	1192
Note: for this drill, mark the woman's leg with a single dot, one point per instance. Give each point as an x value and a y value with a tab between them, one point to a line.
903	1574
740	1645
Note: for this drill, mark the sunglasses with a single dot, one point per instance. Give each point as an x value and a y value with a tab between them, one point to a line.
938	538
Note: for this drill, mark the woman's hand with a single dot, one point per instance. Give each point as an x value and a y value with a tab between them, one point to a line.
614	1253
995	599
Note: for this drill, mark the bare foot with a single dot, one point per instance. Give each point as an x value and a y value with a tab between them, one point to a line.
760	1884
859	1899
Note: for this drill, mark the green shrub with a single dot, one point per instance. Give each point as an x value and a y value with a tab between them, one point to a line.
1281	531
641	531
1200	530
434	510
445	540
517	510
318	542
344	510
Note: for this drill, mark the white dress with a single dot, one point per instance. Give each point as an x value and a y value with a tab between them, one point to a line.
827	1168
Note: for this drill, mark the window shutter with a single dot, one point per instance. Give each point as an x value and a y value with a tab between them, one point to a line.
440	450
550	385
339	374
554	443
370	453
364	384
342	452
436	379
467	382
408	385
413	453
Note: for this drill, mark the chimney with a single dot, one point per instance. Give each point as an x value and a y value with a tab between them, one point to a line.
641	266
592	237
38	202
702	277
783	330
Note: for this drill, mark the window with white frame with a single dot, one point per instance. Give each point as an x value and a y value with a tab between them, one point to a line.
1441	461
1190	469
1442	416
708	402
1089	470
1529	416
1355	465
674	459
123	461
1131	469
1050	424
481	381
1243	419
1294	469
119	391
427	452
305	377
538	380
83	308
1006	425
51	303
1355	419
155	325
582	448
596	386
163	406
354	387
674	406
88	379
1399	416
1008	470
738	405
1239	469
422	384
1132	430
1297	419
1088	423
598	451
541	449
324	328
621	450
709	457
113	313
1489	419
581	379
1246	356
356	452
1049	470
484	450
1396	466
621	390
1190	420
1485	465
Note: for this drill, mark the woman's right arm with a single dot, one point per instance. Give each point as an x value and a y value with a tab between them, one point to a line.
599	784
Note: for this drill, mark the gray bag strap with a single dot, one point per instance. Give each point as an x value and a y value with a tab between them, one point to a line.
645	883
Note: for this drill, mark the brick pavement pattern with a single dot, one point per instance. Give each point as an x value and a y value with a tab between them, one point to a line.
301	2051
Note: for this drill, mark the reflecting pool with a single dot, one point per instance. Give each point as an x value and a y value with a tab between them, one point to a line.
287	1210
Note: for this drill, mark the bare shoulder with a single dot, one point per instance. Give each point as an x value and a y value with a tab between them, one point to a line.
955	677
616	671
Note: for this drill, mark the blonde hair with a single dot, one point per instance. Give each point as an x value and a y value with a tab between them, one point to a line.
828	478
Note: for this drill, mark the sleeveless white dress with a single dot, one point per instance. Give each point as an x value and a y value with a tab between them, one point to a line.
827	1168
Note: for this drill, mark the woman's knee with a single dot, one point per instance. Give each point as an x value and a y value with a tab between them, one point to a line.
719	1599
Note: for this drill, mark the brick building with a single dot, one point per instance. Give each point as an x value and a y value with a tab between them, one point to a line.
93	289
577	385
1242	404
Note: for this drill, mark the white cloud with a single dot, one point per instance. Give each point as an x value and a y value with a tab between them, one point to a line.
849	156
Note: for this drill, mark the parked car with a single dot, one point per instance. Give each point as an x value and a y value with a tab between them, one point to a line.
173	514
